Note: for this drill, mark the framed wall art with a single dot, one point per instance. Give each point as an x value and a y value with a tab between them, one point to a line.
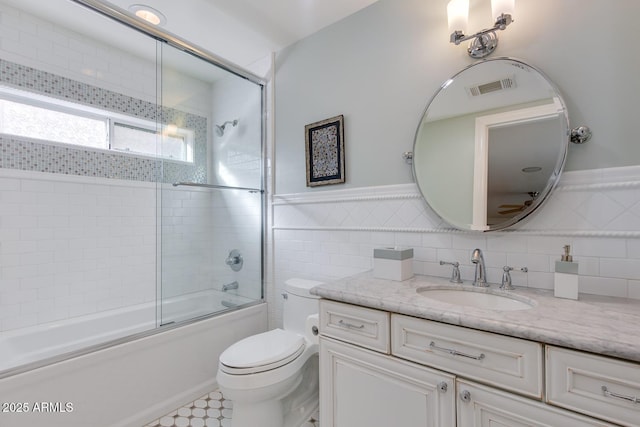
324	150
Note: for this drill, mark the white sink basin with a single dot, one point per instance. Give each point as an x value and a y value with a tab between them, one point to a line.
469	297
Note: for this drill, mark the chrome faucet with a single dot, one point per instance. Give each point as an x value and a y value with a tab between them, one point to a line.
229	286
480	278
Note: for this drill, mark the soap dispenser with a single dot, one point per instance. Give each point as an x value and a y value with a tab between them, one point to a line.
566	276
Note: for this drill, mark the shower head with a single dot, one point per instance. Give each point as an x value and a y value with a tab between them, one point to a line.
220	128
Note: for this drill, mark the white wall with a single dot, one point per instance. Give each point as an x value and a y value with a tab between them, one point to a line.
380	67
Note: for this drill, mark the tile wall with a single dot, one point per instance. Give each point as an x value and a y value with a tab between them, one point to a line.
331	234
34	42
73	245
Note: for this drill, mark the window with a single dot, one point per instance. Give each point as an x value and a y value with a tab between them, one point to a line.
31	116
42	123
175	143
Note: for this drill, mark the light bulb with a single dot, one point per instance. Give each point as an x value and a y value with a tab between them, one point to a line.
499	7
458	15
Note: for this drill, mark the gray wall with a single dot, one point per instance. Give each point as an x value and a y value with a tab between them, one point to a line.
380	67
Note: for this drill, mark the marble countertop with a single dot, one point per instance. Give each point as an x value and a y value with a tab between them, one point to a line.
603	325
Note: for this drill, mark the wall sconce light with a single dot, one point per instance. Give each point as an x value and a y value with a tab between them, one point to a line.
484	42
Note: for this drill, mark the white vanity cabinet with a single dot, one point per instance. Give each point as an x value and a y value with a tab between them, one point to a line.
431	374
365	387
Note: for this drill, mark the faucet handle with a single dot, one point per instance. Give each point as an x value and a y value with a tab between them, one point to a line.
455	273
506	277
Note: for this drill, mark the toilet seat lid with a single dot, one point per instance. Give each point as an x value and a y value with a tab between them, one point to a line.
262	352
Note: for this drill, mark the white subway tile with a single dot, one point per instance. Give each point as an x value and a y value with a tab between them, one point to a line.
9	184
634	289
547	244
633	248
437	240
603	286
534	262
620	268
19	322
587	266
471	242
600	247
540	280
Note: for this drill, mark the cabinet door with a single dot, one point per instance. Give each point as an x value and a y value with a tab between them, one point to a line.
482	406
361	388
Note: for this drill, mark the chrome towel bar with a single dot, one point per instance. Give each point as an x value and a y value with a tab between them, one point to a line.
221	187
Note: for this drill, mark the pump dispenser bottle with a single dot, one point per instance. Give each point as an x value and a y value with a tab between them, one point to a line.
566	276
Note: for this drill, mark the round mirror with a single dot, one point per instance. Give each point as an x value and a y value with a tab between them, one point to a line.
491	145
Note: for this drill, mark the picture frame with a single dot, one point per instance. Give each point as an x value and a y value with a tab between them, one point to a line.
324	151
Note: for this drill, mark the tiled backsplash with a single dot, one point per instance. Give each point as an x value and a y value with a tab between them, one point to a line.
331	234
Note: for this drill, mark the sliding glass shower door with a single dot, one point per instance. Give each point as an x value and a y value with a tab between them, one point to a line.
131	179
210	194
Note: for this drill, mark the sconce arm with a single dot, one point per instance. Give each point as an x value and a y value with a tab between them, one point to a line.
502	22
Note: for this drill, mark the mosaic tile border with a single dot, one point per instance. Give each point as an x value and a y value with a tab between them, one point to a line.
25	154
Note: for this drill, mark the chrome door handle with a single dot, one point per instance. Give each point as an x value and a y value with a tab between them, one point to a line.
453	352
349	325
608	393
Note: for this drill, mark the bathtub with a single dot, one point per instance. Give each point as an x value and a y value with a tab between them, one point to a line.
121	381
40	344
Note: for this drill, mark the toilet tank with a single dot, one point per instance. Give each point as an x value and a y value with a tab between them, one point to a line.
298	303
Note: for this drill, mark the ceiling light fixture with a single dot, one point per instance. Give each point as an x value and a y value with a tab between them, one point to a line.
149	14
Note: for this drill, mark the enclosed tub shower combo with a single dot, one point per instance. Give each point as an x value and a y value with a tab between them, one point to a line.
131	214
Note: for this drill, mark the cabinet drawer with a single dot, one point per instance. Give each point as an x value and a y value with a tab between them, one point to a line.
595	385
506	362
479	405
358	325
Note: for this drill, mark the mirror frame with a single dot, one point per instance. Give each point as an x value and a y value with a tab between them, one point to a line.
554	177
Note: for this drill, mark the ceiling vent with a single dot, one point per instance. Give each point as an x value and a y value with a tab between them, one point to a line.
498	85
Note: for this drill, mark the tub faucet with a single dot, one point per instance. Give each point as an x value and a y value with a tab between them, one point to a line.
480	278
229	286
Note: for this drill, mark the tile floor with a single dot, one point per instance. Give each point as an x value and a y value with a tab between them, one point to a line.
211	410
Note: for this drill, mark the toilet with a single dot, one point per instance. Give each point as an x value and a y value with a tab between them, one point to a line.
272	377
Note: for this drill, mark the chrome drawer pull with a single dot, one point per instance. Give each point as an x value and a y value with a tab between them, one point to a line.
452	352
608	393
349	325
